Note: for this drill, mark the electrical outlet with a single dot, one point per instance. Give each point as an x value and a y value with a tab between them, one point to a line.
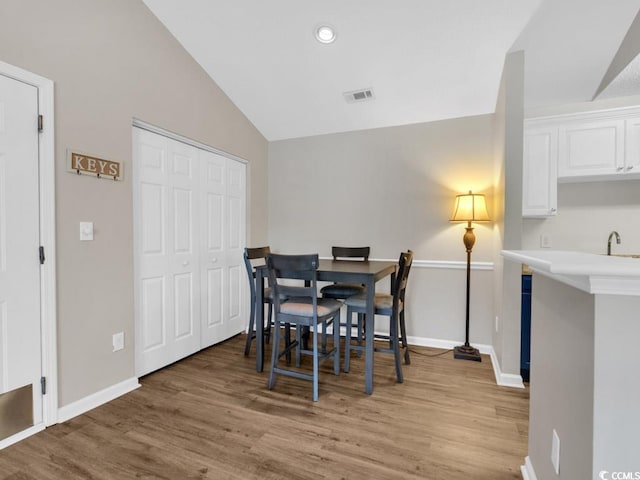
118	341
497	323
545	240
555	452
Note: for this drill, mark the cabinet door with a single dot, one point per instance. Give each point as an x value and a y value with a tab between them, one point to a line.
540	167
591	147
632	146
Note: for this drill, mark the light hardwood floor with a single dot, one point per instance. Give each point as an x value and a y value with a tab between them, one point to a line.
211	416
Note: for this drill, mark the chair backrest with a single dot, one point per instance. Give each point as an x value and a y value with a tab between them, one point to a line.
254	254
402	276
351	252
298	267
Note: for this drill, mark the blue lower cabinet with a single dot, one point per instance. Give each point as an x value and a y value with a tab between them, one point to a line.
525	337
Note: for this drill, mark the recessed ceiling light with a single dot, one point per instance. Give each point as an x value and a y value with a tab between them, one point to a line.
325	34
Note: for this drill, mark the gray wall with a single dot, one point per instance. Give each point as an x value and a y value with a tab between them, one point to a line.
112	60
562	385
506	337
393	189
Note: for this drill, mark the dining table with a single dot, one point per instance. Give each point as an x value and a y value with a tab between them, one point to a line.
367	273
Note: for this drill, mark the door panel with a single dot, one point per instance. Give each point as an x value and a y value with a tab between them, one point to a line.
214	303
152	207
169	321
20	329
184	305
236	194
153	319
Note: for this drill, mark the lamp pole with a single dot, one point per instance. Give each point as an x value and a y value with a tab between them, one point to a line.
469	208
466	351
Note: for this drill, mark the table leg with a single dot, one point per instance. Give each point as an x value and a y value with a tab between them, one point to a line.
259	321
369	337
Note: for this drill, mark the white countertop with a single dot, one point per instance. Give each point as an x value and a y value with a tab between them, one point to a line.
598	274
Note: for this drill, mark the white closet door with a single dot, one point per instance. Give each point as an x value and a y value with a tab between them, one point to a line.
236	196
223	221
168	311
190	216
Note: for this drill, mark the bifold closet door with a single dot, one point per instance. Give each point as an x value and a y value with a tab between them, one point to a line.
190	230
223	222
168	280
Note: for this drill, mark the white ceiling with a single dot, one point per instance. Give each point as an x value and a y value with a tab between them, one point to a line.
424	59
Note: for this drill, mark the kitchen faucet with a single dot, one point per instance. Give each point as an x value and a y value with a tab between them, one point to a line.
617	235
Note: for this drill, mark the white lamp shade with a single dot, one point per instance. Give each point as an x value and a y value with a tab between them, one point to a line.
470	207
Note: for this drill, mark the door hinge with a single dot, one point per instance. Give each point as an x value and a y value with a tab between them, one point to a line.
42	259
43	385
40	123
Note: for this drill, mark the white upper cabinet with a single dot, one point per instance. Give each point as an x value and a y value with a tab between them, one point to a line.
540	167
591	147
579	147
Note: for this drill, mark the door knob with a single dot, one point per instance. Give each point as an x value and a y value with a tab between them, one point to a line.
185	263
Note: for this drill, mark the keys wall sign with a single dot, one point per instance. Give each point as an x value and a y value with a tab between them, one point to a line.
84	164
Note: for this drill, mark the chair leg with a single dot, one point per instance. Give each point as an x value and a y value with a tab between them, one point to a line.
274	354
299	335
287	341
324	337
250	333
395	345
403	335
360	332
347	341
267	332
336	344
315	363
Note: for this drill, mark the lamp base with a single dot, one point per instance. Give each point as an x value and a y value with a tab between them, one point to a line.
466	352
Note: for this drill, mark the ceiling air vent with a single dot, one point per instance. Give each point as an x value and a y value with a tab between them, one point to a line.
359	95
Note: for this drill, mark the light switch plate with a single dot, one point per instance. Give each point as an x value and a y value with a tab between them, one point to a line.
118	341
86	231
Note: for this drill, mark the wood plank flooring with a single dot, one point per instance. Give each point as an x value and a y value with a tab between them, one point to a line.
211	416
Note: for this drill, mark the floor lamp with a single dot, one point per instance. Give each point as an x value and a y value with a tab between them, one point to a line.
470	207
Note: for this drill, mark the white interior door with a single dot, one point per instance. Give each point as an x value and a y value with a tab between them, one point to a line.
20	329
223	220
168	311
190	215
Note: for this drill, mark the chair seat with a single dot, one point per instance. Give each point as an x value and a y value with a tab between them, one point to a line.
303	307
383	303
342	290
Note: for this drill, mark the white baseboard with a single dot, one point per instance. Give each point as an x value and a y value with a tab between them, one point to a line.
21	436
502	379
527	470
96	399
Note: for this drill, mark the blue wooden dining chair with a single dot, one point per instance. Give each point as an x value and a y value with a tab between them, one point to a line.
303	309
390	305
254	257
342	291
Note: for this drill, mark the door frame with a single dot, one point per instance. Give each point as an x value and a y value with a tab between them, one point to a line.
48	319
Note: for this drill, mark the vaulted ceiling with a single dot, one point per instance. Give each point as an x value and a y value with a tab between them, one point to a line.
424	60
